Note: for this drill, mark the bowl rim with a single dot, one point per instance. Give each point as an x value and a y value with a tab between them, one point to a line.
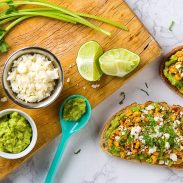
33	140
60	67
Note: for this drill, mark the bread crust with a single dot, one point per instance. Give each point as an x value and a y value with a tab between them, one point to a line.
107	124
162	66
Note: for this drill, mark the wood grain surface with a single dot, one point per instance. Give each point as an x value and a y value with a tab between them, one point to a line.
64	40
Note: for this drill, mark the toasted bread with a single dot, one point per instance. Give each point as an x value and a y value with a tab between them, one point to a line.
162	66
103	140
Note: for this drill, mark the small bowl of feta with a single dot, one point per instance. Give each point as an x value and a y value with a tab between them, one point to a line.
33	77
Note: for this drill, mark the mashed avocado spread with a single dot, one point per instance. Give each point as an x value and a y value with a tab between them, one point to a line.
15	133
173	70
74	109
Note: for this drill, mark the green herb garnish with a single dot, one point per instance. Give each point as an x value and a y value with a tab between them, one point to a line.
146	85
171	25
12	8
77	152
123	97
145	92
3	46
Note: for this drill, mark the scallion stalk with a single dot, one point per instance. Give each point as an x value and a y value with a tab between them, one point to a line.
63	17
10	26
65	11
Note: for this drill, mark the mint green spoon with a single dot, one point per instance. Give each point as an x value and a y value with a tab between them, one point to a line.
68	129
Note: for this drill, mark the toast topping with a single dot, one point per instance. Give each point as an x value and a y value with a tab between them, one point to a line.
173	70
151	132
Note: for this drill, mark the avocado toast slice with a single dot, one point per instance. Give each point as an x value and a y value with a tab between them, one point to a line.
171	70
149	133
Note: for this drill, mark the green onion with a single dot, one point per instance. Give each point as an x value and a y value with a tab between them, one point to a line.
8	19
9	27
13	16
63	10
63	17
171	25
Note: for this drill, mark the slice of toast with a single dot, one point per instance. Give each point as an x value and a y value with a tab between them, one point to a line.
162	66
103	140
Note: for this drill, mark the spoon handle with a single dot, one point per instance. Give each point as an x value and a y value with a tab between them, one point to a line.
57	158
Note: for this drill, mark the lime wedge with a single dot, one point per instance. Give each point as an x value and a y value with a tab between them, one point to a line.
118	62
88	61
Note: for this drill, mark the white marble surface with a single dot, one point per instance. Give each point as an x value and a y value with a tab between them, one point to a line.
91	165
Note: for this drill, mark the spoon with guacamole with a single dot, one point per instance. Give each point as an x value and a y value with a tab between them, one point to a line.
74	114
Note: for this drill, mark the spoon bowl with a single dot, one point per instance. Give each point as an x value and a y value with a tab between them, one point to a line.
74	126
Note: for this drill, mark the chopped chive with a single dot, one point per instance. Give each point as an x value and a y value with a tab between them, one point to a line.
145	92
123	98
146	85
77	152
122	93
171	25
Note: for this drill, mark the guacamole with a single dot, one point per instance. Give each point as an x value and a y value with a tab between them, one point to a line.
15	133
74	109
173	70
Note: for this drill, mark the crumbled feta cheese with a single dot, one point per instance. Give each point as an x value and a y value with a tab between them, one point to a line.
22	68
129	153
122	133
95	85
141	138
161	162
150	107
167	135
145	111
161	124
167	145
152	150
121	127
158	118
177	66
173	157
176	123
68	80
156	128
33	77
135	131
162	108
4	99
117	138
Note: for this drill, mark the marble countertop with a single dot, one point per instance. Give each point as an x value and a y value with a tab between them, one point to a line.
91	165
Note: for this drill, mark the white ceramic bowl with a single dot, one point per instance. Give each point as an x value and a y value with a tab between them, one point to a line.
34	135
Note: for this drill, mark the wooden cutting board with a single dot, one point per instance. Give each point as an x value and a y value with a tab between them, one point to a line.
64	40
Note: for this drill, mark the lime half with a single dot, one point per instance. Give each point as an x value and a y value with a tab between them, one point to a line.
88	61
118	62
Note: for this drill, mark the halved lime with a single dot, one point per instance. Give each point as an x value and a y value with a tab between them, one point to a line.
88	61
118	62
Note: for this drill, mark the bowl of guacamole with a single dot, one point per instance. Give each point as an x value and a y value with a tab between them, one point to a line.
18	134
